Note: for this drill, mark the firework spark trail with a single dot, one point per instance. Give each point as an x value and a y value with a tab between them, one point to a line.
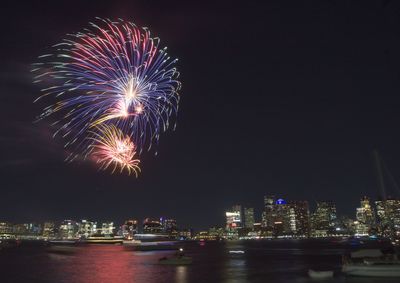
113	73
111	148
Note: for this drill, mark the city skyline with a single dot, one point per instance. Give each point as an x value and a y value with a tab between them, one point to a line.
247	213
280	219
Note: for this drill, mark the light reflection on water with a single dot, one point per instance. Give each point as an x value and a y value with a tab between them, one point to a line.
262	262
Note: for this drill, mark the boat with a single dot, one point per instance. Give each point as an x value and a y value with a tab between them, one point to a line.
371	263
372	270
314	274
103	239
151	242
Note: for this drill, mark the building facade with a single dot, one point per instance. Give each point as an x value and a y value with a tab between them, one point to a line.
233	221
152	226
388	214
248	218
87	228
299	218
323	219
68	229
129	228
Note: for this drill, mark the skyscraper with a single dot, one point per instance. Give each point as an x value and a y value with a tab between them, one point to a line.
323	219
268	213
365	218
233	221
388	212
248	218
234	218
281	218
299	218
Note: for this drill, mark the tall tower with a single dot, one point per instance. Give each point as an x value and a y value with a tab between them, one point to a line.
365	217
248	217
268	213
299	218
324	216
234	218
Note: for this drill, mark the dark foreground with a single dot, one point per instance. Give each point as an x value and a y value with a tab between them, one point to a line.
264	261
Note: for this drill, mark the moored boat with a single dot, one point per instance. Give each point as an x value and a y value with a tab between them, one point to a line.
373	270
103	239
371	263
151	242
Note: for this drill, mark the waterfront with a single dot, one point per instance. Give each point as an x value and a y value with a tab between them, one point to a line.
263	261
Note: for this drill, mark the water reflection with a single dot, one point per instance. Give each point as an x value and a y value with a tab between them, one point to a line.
112	264
181	274
212	263
235	266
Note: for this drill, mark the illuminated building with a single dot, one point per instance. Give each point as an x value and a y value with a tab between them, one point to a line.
388	212
49	230
234	218
257	227
87	228
169	226
129	228
31	229
365	218
185	234
216	233
268	213
323	219
152	226
299	218
324	216
6	228
248	218
233	221
68	229
107	228
20	229
281	218
348	225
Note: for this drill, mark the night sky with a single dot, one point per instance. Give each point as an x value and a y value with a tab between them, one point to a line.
286	98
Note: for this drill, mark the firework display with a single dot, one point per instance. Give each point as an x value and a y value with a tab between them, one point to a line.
112	79
113	149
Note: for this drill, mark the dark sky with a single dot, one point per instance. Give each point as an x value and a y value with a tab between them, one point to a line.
285	98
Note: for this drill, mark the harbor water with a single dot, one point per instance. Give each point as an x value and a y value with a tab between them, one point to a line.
262	261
